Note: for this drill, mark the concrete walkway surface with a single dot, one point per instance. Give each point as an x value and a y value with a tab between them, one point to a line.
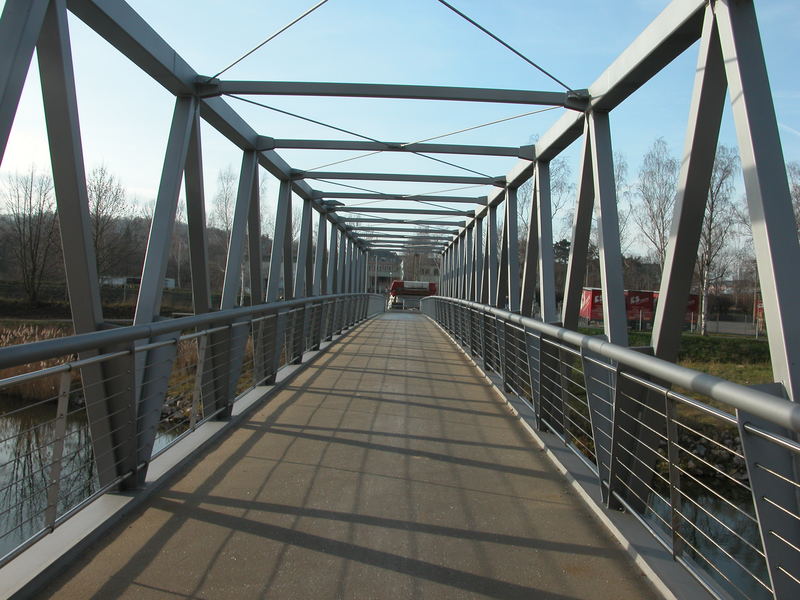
387	469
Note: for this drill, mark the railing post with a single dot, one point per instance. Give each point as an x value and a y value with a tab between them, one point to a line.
598	381
54	475
772	470
533	347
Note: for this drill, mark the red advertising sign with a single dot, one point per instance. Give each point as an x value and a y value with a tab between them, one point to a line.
592	304
639	304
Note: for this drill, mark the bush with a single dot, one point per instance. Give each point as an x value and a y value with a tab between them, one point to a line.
698	348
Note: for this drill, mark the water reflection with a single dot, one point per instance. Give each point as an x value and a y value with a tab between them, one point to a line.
27	433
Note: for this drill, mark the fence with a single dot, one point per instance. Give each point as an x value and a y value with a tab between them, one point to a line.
706	465
83	415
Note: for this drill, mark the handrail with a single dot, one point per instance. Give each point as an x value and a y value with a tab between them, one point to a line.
13	356
776	410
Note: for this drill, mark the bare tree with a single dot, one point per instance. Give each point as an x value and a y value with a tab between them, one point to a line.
718	222
33	227
793	171
624	209
562	191
655	187
107	207
224	200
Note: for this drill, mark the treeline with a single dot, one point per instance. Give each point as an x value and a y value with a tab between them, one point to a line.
30	238
725	275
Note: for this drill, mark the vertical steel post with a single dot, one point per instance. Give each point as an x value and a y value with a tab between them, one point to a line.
477	260
254	244
766	186
109	389
20	25
321	259
491	254
528	293
511	232
302	280
581	232
332	285
614	316
282	212
702	133
340	263
469	275
196	221
544	218
241	210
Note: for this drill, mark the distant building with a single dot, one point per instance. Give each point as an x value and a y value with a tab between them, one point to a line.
387	266
420	267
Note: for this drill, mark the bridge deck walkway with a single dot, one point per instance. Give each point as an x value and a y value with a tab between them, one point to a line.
387	469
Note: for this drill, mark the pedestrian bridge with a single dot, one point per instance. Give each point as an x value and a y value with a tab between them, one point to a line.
388	468
292	439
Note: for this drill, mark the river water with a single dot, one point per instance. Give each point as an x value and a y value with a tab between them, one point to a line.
27	431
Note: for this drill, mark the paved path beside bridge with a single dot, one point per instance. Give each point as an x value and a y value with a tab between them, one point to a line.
387	469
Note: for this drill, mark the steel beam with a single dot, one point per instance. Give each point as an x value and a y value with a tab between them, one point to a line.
254	241
331	286
491	256
353	222
702	134
236	239
151	287
676	28
581	232
512	236
267	143
766	186
401	92
196	221
544	229
477	260
321	258
481	200
409	211
303	272
530	260
447	232
20	25
278	245
108	388
410	177
615	321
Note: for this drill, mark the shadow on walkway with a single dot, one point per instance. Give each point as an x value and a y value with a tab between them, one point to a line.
376	474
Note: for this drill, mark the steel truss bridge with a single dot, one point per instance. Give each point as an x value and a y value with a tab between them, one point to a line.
696	476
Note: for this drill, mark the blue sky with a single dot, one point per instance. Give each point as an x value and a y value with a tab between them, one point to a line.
125	116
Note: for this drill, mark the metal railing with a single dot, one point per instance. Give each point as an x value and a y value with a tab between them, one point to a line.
85	414
709	467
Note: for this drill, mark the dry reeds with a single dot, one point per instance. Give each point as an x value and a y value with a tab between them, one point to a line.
41	388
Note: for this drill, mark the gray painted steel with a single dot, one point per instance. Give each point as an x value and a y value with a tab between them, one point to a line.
378	90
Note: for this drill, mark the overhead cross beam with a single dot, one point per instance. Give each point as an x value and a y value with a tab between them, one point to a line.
426	230
577	99
400	197
499	181
353	222
412	211
268	143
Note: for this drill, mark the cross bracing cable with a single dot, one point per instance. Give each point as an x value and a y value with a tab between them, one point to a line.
438	137
505	44
347	131
270	38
